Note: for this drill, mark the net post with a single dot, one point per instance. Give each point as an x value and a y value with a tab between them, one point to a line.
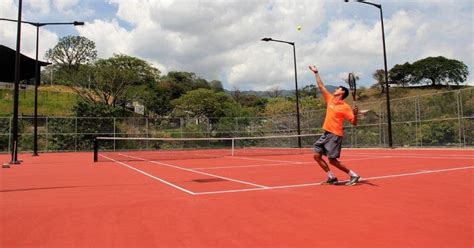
96	148
233	146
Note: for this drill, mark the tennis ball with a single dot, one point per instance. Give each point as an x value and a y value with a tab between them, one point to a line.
298	27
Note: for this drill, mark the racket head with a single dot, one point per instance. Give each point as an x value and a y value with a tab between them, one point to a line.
352	85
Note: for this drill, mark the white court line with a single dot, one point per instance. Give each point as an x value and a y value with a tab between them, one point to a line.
262	159
195	171
247	166
434	157
276	164
421	172
451	156
315	184
146	174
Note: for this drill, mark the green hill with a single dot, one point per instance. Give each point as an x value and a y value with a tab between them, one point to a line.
52	101
59	100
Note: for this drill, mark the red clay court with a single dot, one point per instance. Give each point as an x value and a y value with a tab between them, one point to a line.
407	198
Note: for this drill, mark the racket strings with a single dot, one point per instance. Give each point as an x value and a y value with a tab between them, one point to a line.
352	85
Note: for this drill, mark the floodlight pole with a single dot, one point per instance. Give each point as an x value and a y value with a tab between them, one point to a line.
387	86
37	82
14	140
38	74
296	86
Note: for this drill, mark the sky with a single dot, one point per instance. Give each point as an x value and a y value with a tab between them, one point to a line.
221	39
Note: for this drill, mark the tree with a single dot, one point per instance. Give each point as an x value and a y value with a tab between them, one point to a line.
379	76
309	90
158	98
114	79
439	70
248	100
72	51
401	74
173	86
69	54
205	103
274	92
279	106
216	85
182	82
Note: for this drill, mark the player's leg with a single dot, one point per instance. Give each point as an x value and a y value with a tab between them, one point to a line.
336	163
320	150
333	147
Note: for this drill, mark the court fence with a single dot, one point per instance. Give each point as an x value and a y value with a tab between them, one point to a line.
435	120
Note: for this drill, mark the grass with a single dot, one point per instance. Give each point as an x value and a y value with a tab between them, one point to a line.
52	101
57	100
369	96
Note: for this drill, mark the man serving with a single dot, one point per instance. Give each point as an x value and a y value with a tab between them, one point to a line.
330	143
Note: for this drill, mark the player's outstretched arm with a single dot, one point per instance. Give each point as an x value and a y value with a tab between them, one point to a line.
319	82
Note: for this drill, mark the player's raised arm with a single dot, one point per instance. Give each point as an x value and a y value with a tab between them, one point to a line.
319	82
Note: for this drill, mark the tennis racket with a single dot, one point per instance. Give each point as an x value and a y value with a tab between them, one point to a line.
352	86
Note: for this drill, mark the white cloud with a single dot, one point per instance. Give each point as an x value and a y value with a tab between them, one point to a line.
8	9
41	7
212	39
133	12
109	37
64	5
221	39
28	43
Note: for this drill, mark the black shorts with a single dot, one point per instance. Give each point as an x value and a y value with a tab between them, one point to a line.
328	144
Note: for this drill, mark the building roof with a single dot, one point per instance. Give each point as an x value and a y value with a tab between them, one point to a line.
7	65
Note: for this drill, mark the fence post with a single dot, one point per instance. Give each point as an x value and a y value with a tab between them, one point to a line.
352	136
10	135
181	125
114	132
146	132
416	121
46	134
381	132
462	116
146	127
75	135
419	122
459	106
236	129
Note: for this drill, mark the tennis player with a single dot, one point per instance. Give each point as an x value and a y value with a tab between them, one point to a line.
330	143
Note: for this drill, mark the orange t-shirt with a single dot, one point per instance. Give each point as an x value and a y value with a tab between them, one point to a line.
336	112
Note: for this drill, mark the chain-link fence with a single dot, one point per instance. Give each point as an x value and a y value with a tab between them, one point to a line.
442	119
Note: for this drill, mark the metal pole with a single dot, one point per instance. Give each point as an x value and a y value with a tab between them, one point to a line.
297	98
114	134
296	85
389	118
75	134
458	101
37	82
14	130
416	121
14	159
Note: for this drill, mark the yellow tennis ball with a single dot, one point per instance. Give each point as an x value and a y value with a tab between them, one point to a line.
298	27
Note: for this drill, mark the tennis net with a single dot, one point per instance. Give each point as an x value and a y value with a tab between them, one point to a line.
132	148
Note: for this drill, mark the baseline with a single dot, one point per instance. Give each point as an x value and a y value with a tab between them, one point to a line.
319	183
